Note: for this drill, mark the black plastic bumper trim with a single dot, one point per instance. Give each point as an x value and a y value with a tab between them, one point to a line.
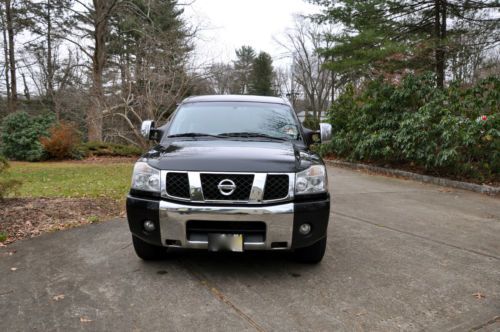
140	210
315	213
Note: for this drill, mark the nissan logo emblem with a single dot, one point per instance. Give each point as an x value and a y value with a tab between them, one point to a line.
226	187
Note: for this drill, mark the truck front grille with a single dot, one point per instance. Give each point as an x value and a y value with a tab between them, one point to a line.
276	187
178	185
249	187
210	182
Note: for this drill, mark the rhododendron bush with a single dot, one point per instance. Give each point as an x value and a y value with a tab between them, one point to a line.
454	131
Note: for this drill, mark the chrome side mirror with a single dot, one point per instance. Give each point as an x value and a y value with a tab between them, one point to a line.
325	130
146	128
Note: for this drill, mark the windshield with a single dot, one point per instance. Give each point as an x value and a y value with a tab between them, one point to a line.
242	119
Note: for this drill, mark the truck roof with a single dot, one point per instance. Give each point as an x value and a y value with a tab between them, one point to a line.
236	98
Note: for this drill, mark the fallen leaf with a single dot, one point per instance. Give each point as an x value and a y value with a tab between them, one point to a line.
58	297
13	268
479	295
85	320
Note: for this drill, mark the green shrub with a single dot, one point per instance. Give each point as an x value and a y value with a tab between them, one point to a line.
109	149
311	122
20	135
414	123
7	186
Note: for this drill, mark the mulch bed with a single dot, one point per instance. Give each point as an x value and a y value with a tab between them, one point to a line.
22	218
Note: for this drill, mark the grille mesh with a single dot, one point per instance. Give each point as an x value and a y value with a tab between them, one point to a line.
178	185
276	187
243	184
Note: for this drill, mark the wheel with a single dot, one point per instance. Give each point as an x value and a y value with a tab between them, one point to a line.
312	254
146	251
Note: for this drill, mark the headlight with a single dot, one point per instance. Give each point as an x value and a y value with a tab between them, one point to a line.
311	181
145	177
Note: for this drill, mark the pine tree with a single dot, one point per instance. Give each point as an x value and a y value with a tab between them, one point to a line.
386	36
243	68
261	77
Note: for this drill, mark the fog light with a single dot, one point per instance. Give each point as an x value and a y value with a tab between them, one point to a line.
149	226
305	229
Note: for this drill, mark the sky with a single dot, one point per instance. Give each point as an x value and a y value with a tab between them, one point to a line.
228	24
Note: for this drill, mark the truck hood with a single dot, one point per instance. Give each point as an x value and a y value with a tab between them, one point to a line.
231	156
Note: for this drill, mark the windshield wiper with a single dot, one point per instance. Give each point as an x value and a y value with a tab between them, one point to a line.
251	134
193	135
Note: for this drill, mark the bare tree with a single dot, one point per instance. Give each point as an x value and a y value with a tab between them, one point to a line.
93	23
158	72
222	78
51	20
304	42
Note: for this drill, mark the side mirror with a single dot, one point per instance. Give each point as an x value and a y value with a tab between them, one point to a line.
325	130
149	131
146	128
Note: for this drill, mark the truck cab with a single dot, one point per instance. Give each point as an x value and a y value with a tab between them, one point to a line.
230	173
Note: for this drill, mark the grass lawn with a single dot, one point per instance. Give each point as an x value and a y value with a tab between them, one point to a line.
72	179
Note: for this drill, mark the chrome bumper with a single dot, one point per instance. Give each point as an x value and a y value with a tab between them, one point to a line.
278	220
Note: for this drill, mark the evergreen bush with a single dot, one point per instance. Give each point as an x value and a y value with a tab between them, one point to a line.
454	131
20	135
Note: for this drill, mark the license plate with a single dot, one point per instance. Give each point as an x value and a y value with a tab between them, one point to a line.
225	242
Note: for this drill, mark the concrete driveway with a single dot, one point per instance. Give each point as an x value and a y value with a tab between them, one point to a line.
401	256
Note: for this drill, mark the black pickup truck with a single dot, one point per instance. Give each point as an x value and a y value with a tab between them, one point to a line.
230	173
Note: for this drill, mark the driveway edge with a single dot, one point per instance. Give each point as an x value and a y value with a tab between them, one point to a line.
484	189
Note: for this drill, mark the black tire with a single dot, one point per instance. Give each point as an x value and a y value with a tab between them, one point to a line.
312	254
146	251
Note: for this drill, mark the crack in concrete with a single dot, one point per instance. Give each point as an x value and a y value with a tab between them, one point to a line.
495	319
417	235
220	296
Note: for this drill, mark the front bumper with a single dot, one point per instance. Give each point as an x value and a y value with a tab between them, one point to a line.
281	221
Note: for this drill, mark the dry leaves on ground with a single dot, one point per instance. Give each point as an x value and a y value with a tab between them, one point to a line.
58	297
479	295
85	320
29	217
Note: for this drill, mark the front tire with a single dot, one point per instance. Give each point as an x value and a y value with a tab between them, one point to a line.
312	254
146	251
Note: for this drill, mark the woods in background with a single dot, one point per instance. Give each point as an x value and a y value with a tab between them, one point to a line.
107	65
103	64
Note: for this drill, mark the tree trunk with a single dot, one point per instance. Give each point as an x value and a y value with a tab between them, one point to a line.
95	112
440	36
333	82
6	57
12	56
50	64
333	87
27	94
102	12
